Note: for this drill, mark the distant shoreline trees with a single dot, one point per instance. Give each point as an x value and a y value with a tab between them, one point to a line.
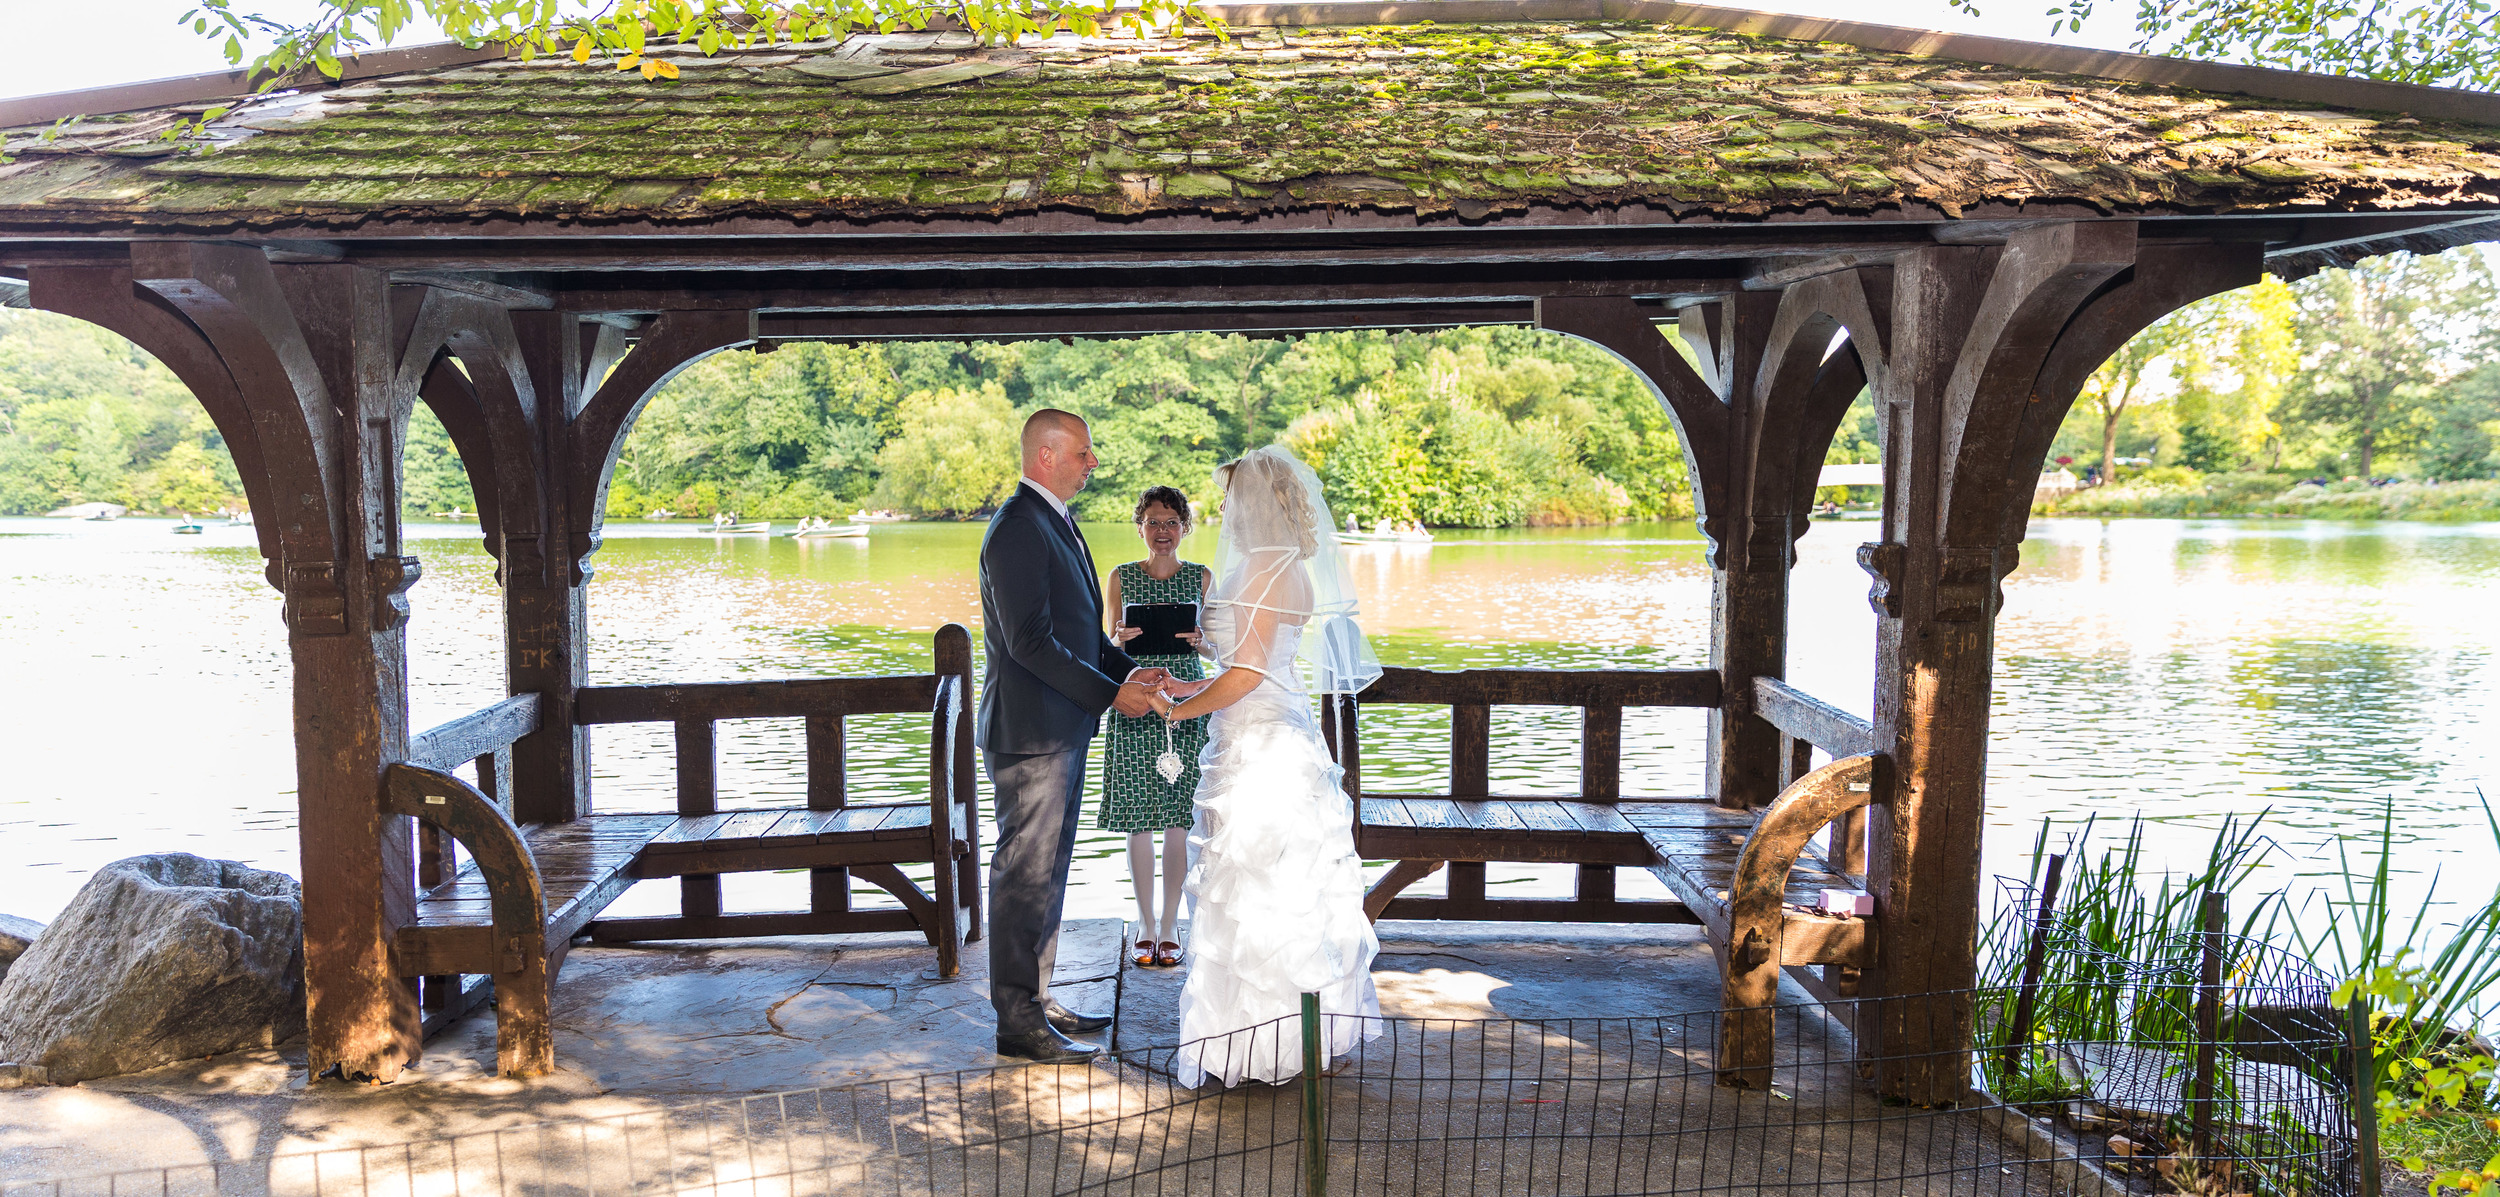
2391	368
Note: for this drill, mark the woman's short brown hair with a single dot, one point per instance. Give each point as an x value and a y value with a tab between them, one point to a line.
1171	498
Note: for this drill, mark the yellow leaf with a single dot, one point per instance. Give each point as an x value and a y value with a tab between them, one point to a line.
668	70
650	69
629	62
581	50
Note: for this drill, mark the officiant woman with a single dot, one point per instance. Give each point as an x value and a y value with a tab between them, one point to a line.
1136	798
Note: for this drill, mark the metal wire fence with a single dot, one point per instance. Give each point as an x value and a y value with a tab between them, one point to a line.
1419	1106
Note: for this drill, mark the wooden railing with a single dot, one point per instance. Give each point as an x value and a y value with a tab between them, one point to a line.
483	736
1471	695
1806	723
1580	828
696	710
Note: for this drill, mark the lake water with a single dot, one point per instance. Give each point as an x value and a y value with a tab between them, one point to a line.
2185	670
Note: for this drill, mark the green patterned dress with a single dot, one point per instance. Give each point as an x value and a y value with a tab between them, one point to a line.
1134	797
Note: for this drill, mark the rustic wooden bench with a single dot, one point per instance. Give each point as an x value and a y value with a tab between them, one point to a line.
1470	826
515	907
1751	879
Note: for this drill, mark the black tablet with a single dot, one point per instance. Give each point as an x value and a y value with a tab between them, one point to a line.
1161	625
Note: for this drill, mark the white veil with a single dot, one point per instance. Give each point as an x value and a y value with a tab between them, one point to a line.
1279	566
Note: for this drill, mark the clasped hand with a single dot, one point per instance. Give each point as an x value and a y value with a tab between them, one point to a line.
1152	691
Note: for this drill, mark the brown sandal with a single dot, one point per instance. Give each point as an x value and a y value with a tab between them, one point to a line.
1146	954
1167	955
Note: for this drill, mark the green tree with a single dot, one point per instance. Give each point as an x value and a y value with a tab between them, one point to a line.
2453	43
2379	339
185	480
431	476
2226	404
956	454
2131	376
2464	435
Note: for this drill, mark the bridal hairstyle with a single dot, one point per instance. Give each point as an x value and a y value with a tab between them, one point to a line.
1278	563
1170	497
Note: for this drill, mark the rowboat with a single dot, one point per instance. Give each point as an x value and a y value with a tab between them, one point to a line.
1385	537
842	530
758	528
455	514
188	527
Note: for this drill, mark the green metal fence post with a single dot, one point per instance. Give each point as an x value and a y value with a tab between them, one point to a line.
2364	1093
1314	1107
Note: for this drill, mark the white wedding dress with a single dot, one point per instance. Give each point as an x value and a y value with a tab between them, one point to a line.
1278	890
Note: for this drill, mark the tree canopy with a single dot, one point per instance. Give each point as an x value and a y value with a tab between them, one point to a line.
2389	368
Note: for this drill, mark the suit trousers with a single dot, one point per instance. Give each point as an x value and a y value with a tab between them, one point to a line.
1036	796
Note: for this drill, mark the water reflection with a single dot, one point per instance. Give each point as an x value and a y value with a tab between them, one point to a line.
2187	669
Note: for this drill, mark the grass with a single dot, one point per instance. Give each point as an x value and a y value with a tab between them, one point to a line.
2281	496
2456	1141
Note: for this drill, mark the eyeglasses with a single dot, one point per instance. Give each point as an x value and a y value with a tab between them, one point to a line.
1163	525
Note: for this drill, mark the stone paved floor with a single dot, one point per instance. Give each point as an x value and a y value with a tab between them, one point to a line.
654	1042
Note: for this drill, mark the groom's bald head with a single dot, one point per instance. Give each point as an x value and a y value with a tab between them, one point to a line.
1058	451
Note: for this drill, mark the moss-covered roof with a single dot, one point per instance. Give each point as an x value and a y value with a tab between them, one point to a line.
1471	118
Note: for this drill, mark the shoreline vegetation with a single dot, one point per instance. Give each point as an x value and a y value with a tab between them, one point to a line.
2173	493
1485	427
2428	973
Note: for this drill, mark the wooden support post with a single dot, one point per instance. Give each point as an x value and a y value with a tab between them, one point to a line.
1601	753
307	352
546	610
828	890
2035	959
1471	750
1931	704
2201	1085
1987	349
698	793
951	652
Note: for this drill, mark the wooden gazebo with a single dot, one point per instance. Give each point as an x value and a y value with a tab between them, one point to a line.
533	248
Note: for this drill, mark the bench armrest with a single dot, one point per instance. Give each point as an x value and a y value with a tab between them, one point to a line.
518	900
1757	898
949	813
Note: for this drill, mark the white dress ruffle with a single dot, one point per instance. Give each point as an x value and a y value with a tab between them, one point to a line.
1277	892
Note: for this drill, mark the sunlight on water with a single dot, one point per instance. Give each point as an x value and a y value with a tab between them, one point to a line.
2183	669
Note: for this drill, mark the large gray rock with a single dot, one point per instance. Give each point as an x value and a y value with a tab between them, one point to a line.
15	935
158	958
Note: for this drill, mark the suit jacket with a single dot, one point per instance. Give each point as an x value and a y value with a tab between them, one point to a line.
1051	671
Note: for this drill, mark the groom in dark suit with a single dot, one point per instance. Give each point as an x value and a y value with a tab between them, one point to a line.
1051	674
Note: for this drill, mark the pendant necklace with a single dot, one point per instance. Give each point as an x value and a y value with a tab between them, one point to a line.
1169	764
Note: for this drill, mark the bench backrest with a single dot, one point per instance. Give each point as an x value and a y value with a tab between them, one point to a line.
697	709
1471	695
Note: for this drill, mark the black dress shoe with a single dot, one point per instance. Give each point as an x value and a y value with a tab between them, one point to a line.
1070	1022
1046	1046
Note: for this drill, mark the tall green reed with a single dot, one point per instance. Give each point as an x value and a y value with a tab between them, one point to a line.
2430	970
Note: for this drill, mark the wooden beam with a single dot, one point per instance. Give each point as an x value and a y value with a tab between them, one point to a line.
1541	687
1781	278
1064	290
1119	323
499	294
786	698
1808	718
475	734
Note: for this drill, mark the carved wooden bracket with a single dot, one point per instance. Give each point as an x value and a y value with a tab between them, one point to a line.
1882	562
392	576
316	605
521	560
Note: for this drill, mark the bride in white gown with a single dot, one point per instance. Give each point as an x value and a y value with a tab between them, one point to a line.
1278	890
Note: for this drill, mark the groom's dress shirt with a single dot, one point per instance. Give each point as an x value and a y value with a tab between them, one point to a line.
1051	670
